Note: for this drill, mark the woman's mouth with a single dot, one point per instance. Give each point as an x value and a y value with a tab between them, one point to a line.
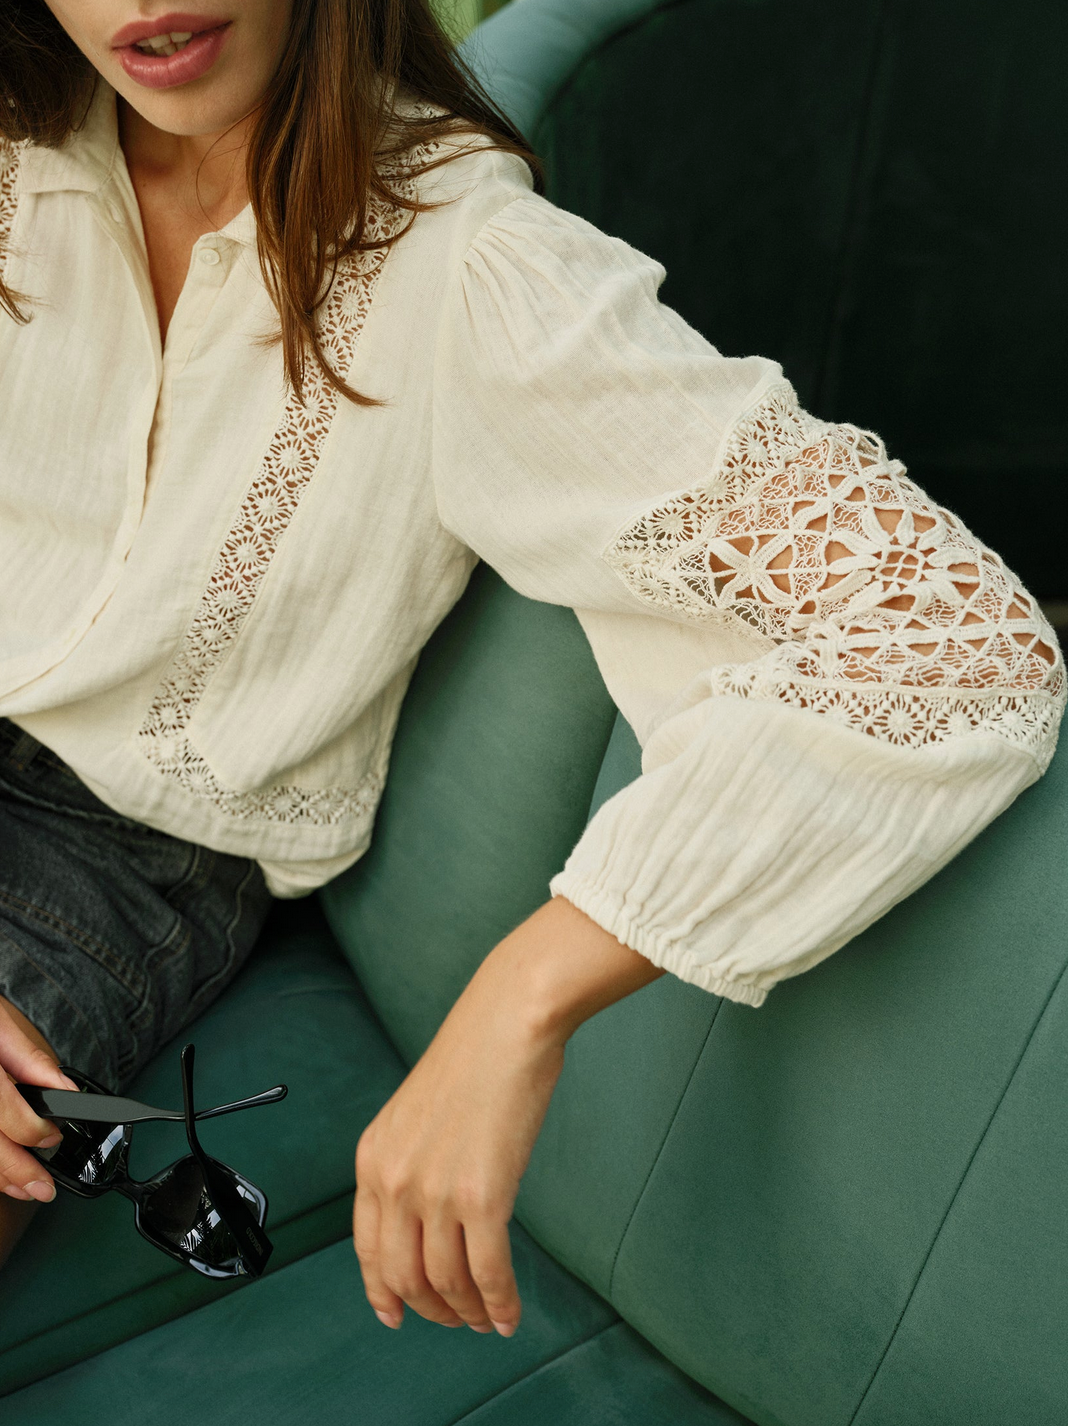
176	55
164	44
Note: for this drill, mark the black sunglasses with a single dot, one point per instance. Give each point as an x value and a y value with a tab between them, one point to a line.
197	1210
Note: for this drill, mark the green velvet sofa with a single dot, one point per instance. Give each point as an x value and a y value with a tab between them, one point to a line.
846	1208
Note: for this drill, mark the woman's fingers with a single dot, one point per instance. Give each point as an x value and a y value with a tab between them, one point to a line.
442	1270
366	1224
23	1058
26	1057
413	1251
403	1272
447	1271
20	1124
21	1176
489	1257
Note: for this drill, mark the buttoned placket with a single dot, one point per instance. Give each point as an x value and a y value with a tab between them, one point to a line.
210	263
96	176
209	267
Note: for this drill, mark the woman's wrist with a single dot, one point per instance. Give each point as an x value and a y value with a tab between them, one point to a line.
439	1167
556	969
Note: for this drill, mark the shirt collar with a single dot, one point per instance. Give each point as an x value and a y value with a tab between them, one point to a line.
87	159
241	228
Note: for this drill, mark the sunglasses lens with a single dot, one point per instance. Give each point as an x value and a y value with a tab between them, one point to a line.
90	1154
177	1209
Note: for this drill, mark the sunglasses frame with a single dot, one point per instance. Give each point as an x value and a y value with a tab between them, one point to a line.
238	1203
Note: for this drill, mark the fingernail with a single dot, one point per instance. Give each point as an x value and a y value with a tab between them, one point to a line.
43	1192
19	1193
386	1320
69	1083
480	1327
51	1140
505	1328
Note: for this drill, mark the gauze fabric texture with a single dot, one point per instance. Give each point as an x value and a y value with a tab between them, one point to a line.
214	595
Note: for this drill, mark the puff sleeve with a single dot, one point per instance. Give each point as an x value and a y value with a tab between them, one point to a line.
835	685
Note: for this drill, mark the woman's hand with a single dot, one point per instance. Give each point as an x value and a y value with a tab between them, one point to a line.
438	1170
23	1060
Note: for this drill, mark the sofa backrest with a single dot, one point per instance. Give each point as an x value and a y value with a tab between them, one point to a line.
843	1207
852	1196
873	192
493	766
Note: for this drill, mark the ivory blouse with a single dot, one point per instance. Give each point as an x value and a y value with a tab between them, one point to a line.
212	598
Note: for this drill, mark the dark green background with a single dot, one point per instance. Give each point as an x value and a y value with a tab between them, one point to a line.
873	193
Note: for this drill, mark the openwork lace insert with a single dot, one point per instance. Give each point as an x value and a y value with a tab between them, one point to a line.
888	614
290	463
9	181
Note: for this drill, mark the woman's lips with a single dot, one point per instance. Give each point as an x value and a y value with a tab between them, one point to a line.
165	71
175	22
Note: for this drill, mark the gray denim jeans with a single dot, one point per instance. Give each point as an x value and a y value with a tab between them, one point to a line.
113	936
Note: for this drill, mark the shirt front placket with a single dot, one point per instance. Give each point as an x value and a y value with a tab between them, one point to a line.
209	267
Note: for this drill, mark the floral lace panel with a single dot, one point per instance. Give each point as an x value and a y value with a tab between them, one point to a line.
9	178
290	463
889	615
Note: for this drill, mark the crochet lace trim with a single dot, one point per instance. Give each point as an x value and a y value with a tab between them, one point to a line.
245	556
10	156
889	616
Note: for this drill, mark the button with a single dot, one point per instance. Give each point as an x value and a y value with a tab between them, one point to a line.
209	257
116	212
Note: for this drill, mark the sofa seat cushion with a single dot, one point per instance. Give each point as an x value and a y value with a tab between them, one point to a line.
613	1379
302	1345
83	1278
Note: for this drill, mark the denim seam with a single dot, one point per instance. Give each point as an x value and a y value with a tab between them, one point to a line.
31	798
23	751
78	1013
957	1191
228	969
174	944
239	896
96	950
186	877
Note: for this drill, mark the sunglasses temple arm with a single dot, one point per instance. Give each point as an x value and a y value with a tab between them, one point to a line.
254	1245
269	1096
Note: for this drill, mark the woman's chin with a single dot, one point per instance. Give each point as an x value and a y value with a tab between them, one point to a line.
187	111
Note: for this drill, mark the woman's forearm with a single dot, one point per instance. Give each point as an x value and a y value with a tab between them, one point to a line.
438	1169
557	969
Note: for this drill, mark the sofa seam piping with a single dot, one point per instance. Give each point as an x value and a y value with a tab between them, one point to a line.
542	1366
957	1191
155	1283
660	1151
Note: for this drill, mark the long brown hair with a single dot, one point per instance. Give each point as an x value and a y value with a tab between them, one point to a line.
323	146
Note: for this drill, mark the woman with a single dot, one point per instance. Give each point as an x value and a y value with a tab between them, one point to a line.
290	343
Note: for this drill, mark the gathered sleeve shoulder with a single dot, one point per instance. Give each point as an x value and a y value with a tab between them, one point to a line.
834	683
